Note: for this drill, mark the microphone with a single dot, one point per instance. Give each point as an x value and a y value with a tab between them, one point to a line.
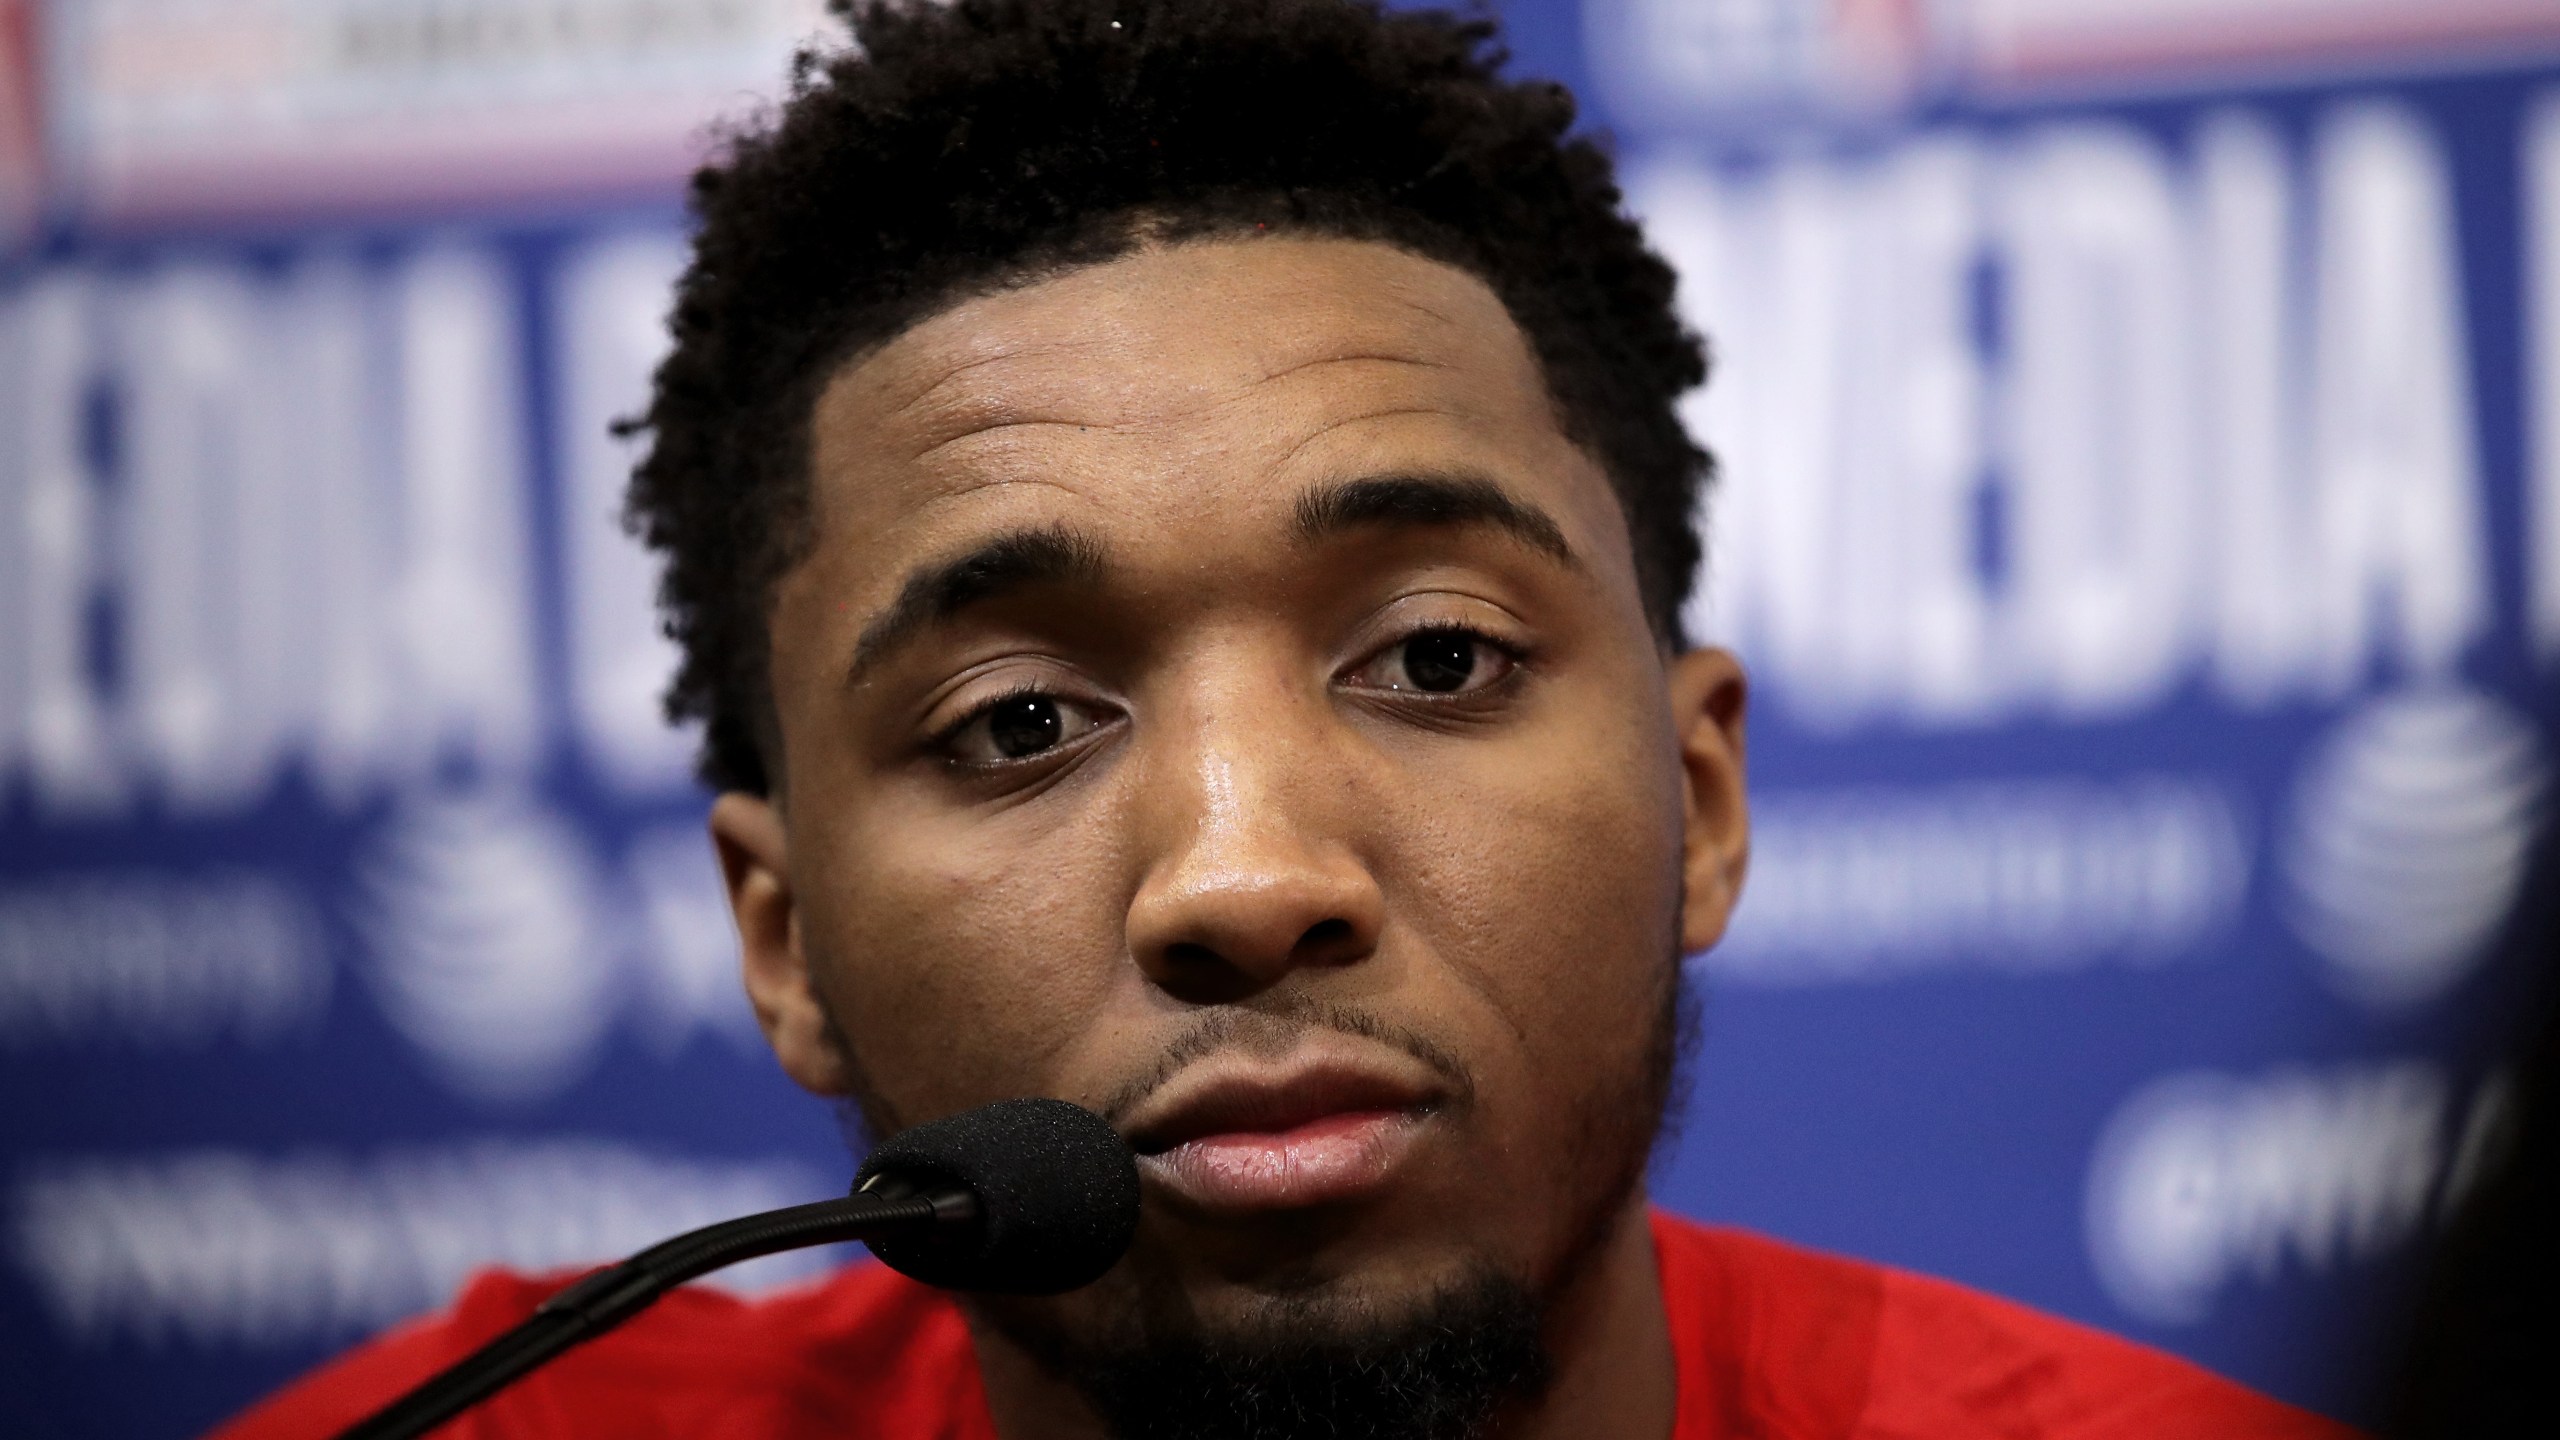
1024	1197
1057	1194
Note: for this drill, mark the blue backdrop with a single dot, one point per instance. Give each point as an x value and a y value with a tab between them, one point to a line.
2141	516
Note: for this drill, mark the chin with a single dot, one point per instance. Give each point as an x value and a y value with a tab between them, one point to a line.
1289	1272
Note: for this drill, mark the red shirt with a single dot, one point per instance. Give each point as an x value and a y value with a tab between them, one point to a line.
1773	1343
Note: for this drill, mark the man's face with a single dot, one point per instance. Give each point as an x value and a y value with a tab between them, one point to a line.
1217	693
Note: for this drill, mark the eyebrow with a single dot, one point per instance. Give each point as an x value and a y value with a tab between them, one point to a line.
1017	560
1419	501
998	566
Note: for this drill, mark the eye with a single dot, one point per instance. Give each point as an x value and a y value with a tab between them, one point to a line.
1437	662
1019	727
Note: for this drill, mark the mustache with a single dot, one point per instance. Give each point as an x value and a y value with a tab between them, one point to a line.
1271	1028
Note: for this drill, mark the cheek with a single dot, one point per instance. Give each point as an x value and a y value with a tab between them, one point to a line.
963	961
1551	883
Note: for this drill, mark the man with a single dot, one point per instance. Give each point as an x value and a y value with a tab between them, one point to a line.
1177	526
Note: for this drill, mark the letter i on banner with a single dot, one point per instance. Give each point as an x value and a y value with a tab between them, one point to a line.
2400	522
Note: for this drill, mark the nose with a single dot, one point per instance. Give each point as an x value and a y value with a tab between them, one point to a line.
1255	875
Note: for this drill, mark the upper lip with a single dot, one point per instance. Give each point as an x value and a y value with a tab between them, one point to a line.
1227	1094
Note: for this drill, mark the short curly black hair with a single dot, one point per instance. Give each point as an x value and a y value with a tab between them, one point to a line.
956	147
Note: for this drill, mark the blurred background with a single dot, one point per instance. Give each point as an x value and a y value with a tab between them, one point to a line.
2141	436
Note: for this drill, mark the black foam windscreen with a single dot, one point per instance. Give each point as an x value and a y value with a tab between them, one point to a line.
1057	1197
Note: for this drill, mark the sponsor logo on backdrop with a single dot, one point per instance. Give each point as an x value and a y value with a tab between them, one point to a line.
2009	877
501	947
475	909
220	1249
2412	829
2201	1179
1745	63
134	959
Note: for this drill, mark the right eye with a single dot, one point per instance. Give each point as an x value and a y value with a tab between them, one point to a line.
1020	727
1445	661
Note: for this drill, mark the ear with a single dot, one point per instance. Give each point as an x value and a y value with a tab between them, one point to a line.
755	860
1707	693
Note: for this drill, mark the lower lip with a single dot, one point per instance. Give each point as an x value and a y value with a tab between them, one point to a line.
1339	1157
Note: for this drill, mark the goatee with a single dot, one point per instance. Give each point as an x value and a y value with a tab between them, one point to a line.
1440	1371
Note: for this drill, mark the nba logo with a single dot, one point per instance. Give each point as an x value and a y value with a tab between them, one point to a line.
1750	61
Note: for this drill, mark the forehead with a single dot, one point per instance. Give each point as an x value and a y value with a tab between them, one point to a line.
1207	379
1153	334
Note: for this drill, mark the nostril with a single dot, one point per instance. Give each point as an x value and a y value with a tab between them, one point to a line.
1200	975
1324	938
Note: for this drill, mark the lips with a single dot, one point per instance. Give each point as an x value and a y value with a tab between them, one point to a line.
1240	1137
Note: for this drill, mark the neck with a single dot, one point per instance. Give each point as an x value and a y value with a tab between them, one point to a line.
1607	1337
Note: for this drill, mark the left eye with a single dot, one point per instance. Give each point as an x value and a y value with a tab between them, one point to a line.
1437	662
1019	727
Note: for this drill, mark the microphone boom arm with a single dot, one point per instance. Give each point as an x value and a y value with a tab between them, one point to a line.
599	1301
